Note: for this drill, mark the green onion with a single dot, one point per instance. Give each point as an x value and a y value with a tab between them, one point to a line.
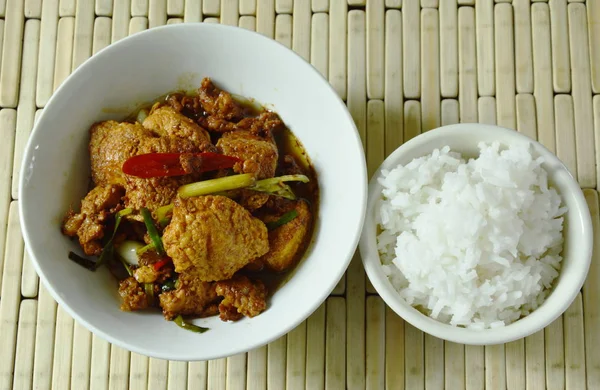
221	184
186	325
162	214
144	249
82	261
142	115
126	266
152	232
277	186
109	249
149	290
168	285
285	218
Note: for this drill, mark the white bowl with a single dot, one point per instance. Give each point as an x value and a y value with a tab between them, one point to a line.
577	251
55	174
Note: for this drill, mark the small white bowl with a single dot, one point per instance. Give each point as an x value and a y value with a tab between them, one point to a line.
464	138
138	69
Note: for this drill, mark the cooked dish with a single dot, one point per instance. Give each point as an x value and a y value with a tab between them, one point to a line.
199	205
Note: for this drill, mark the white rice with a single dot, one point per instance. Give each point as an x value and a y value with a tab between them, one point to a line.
472	243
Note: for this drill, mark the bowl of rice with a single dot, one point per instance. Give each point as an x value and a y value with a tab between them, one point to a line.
476	234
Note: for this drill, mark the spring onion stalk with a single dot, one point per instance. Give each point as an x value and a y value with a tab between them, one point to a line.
144	249
186	325
277	186
285	218
126	265
212	186
128	249
168	285
142	115
109	250
162	214
82	261
149	290
152	232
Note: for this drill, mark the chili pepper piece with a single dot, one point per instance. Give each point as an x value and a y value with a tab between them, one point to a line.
170	164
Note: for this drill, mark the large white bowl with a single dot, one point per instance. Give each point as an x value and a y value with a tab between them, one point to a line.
577	251
55	174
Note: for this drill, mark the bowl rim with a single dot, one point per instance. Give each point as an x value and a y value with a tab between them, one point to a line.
345	257
371	260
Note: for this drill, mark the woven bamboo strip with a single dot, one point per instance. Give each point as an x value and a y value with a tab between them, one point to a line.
158	371
138	371
561	64
67	8
434	362
474	367
394	356
101	38
257	369
47	51
284	6
414	365
100	364
176	7
449	49
485	47
33	9
177	378
449	112
357	3
11	295
375	136
467	65
29	279
375	351
535	371
44	340
574	346
265	18
2	8
338	46
103	7
137	24
248	22
276	363
229	12
454	366
412	119
118	377
505	66
542	74
320	5
593	14
565	136
64	50
335	344
296	358
555	356
526	118
582	97
236	373
487	110
315	349
515	364
247	7
411	55
393	3
1	39
394	98
23	372
375	49
591	290
301	29
140	7
11	54
82	354
211	7
212	20
192	11
63	350
8	119
430	74
157	13
26	110
197	375
466	2
84	30
523	50
319	45
283	30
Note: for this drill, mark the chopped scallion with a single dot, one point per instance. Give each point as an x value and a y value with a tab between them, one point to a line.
152	232
285	218
186	325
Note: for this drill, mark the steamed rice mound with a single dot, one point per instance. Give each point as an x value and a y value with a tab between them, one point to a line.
472	243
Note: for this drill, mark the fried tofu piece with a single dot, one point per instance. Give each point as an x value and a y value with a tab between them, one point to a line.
213	235
133	295
241	297
286	240
260	154
219	103
192	297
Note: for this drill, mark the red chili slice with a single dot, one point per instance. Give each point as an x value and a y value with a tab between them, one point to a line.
176	164
161	263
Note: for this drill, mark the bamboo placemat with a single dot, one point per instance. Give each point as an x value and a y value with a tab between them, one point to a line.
403	67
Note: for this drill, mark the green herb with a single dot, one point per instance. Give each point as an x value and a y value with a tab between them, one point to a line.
212	186
109	249
162	214
285	218
144	249
152	232
186	325
82	261
277	186
126	266
149	290
168	285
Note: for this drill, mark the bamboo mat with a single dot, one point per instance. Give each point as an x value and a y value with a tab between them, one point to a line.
403	67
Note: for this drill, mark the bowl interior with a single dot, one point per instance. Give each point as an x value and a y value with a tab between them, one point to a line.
464	138
55	175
